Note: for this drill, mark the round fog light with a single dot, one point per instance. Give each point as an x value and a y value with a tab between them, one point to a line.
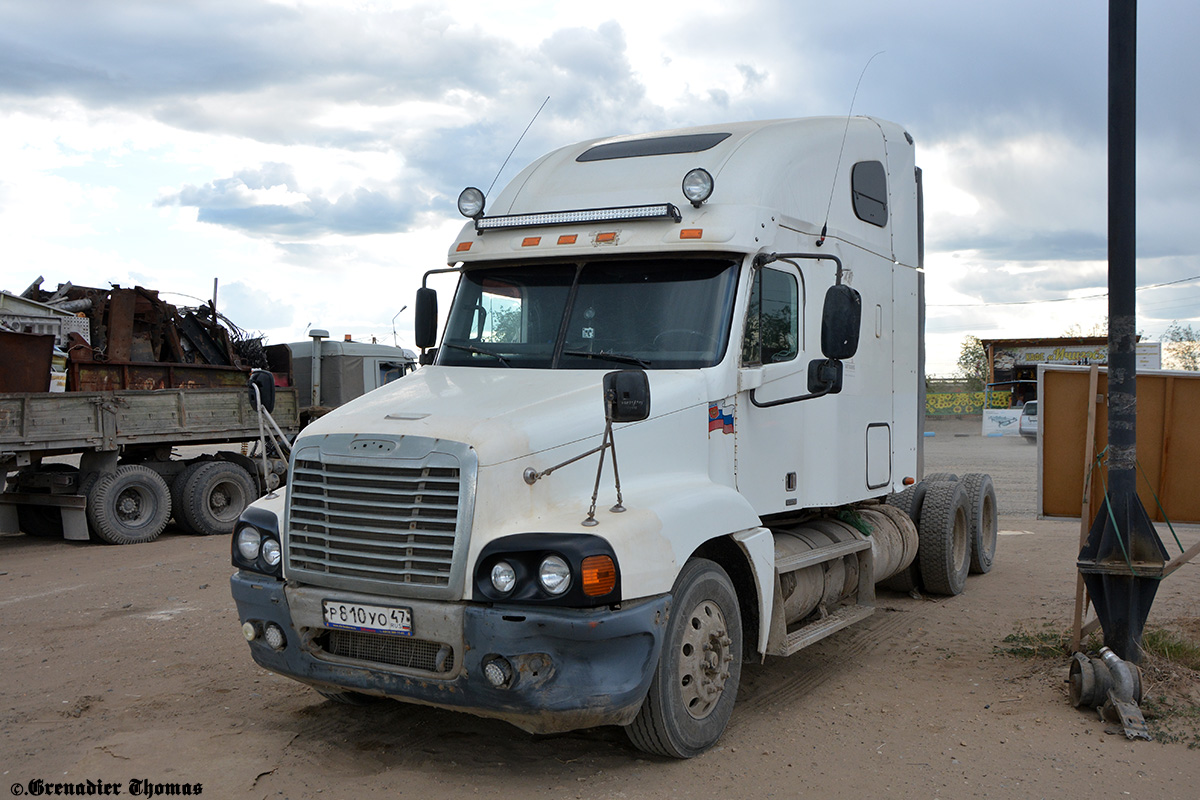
554	575
470	202
249	631
498	671
697	186
275	637
271	552
504	578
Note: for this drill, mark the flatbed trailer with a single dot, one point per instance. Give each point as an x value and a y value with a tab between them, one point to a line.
129	483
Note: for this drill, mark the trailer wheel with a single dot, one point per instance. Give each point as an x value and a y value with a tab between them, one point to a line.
177	500
130	505
909	501
347	698
695	683
982	518
945	539
215	493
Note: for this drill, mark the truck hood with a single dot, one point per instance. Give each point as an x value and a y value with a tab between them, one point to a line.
504	414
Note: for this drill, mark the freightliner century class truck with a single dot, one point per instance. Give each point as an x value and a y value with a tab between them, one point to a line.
674	425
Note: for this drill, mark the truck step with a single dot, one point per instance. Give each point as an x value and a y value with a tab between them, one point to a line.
816	631
820	555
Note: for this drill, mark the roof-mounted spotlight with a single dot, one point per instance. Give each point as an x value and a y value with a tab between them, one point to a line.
697	186
470	203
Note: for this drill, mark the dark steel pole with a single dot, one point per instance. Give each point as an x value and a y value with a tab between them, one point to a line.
1122	251
1122	560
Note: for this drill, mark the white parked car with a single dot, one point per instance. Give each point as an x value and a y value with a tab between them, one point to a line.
1028	425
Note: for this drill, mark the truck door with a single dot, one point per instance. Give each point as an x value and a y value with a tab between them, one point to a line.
767	463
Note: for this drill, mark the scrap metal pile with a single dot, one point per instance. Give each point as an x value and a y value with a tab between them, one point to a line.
121	338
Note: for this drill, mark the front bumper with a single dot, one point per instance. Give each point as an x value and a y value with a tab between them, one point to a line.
572	668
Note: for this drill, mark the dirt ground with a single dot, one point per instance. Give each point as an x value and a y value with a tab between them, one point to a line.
126	664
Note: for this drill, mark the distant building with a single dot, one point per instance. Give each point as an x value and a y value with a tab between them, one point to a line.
1012	363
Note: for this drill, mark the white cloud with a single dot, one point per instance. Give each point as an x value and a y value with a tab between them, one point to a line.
312	151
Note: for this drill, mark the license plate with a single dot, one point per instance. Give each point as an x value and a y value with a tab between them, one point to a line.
362	617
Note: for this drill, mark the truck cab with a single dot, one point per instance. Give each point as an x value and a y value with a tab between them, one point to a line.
679	380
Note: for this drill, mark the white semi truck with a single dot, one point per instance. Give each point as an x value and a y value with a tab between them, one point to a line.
740	308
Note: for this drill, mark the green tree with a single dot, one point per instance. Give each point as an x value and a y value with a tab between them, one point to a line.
1181	347
972	363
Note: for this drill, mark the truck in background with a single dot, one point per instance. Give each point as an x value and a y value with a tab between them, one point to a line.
125	418
742	307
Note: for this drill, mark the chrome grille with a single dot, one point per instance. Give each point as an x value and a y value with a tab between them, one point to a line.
383	525
398	651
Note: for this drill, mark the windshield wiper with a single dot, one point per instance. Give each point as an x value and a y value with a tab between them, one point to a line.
620	357
480	350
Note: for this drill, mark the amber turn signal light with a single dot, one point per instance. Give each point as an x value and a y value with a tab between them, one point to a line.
599	575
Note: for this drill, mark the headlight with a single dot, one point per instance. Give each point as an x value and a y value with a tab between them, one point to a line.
554	575
470	202
248	540
271	553
697	186
504	577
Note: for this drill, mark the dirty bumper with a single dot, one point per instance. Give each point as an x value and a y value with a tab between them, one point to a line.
570	668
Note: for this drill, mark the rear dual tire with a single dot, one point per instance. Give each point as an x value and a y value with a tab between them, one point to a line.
945	542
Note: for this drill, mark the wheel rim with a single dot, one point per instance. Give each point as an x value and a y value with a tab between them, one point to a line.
226	501
133	507
704	658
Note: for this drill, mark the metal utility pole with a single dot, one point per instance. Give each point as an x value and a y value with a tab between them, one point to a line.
1122	561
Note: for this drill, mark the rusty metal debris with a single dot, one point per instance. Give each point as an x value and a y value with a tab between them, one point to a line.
137	340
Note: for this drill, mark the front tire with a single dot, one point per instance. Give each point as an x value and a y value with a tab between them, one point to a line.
695	684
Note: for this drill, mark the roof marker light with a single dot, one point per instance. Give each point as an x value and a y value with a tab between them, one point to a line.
568	238
697	186
691	233
531	241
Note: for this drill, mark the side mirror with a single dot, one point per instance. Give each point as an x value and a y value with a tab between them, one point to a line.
425	326
626	396
825	376
265	382
840	322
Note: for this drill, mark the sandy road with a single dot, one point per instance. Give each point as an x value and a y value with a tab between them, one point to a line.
126	663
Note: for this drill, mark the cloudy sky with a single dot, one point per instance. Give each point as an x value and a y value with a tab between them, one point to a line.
307	153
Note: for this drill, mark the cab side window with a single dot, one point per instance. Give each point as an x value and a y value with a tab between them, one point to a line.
772	319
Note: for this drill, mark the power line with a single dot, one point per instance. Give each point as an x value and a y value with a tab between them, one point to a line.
1056	299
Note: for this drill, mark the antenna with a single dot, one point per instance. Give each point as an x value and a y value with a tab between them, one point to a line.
518	144
836	169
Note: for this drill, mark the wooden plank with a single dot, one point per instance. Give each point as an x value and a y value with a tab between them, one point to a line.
1179	560
1085	516
1168	443
1164	458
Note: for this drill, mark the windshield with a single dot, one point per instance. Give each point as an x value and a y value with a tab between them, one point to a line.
649	313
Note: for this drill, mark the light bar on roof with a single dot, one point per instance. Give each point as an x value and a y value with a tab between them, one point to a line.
659	211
